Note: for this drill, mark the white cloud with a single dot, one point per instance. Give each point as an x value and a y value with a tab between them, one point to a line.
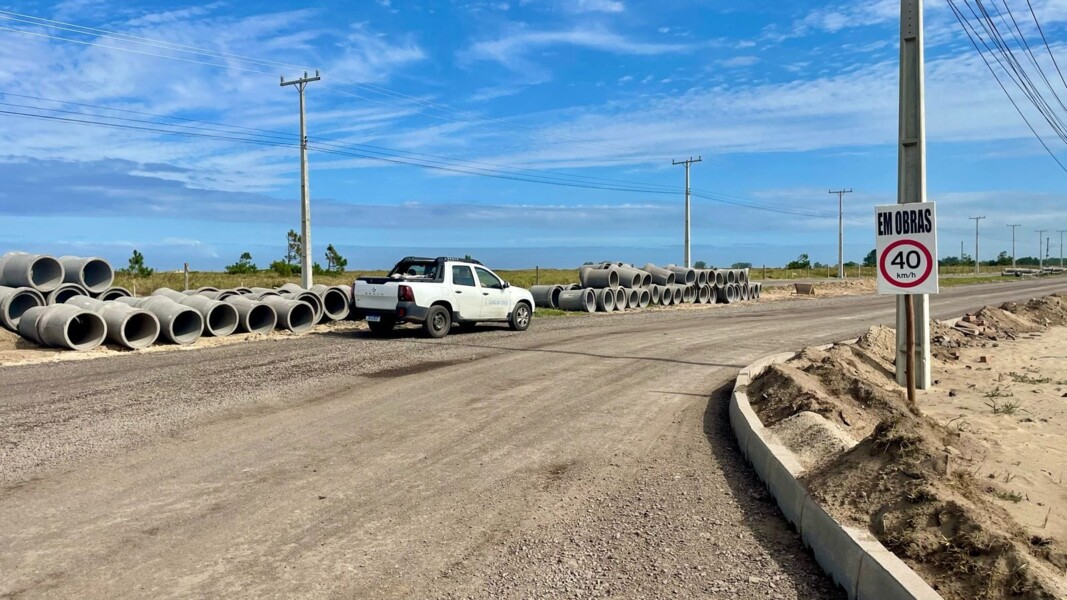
584	6
738	62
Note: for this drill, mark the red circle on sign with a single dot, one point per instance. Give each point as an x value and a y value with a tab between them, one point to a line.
922	278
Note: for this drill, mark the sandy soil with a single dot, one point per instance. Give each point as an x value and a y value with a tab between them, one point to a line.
826	289
968	488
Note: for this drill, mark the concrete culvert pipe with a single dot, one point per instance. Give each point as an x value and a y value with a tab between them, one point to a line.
644	298
311	300
546	296
129	327
14	302
689	294
703	294
220	318
28	324
602	278
713	294
242	290
683	275
654	293
581	300
659	276
633	299
258	293
38	271
742	277
92	273
742	290
731	276
678	293
178	324
620	298
631	278
289	289
65	326
219	295
335	304
253	316
206	288
114	293
64	292
605	299
720	278
296	316
702	278
733	293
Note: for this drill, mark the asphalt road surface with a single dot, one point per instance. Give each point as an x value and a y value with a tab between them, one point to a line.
587	457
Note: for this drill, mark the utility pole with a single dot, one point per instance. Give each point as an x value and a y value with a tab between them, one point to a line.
688	162
976	263
841	231
913	310
1013	244
1061	232
1040	252
305	202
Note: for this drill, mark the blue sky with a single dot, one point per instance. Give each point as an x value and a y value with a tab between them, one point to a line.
783	100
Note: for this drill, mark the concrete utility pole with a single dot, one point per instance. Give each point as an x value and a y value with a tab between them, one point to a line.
1013	244
1040	250
305	202
976	263
687	163
913	310
841	231
1061	232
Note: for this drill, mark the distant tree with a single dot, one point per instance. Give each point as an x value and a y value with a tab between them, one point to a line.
243	265
316	269
802	262
700	265
868	261
852	264
284	269
294	249
741	265
818	265
1003	258
137	268
334	260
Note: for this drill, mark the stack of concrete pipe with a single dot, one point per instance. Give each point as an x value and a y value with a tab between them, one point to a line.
34	280
620	286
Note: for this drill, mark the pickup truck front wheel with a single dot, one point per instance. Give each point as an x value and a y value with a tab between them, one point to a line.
520	317
438	322
381	327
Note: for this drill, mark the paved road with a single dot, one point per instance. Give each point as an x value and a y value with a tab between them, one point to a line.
587	456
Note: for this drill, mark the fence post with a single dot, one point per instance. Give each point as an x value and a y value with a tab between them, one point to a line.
186	275
537	275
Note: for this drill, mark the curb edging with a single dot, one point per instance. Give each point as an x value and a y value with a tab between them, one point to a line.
854	558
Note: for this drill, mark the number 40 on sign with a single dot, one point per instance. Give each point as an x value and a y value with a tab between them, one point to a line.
906	236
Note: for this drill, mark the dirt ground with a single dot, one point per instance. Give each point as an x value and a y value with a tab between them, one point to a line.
968	488
826	289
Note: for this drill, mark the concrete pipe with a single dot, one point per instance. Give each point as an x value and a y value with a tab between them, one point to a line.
206	288
702	277
659	276
703	294
602	278
678	293
621	296
174	295
633	299
731	276
129	327
733	293
311	300
14	302
713	294
646	279
178	324
335	301
38	271
546	296
63	326
581	300
253	316
689	294
219	295
683	275
742	277
742	291
631	278
114	293
644	298
64	292
242	290
93	274
295	315
605	299
220	318
289	288
667	297
720	277
258	293
655	292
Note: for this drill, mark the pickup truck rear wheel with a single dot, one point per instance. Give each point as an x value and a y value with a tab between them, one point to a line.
438	322
520	317
381	327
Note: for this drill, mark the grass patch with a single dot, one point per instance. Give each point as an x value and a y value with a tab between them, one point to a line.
1015	497
1023	378
958	281
555	312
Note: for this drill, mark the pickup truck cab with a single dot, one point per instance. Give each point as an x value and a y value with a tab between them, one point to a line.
437	293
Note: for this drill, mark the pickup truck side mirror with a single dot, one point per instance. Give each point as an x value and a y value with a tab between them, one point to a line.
506	285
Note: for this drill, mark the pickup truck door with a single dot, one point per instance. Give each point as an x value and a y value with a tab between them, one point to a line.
494	298
466	296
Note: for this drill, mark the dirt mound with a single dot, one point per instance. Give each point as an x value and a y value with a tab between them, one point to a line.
1046	311
8	340
812	438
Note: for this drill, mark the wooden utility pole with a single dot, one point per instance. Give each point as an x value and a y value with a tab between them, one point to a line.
305	202
687	163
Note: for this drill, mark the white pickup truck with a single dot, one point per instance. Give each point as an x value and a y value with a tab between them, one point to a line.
440	292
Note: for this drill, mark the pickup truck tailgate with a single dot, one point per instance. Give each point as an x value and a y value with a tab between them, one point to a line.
374	296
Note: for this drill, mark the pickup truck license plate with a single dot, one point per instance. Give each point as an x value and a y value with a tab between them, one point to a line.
373	318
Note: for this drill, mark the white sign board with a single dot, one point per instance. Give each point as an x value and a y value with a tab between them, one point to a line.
906	243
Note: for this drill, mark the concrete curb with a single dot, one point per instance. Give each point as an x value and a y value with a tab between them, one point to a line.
853	557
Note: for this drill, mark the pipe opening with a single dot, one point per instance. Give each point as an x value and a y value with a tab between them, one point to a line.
335	302
261	319
301	317
222	319
187	327
46	272
97	275
140	330
85	331
62	294
19	304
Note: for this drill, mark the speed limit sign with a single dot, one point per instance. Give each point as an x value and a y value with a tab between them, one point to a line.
906	236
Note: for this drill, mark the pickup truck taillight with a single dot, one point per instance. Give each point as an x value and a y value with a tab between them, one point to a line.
404	293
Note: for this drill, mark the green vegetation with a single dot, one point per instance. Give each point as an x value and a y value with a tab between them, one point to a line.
136	267
243	266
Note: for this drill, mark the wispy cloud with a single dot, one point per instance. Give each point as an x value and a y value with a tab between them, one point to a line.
604	6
